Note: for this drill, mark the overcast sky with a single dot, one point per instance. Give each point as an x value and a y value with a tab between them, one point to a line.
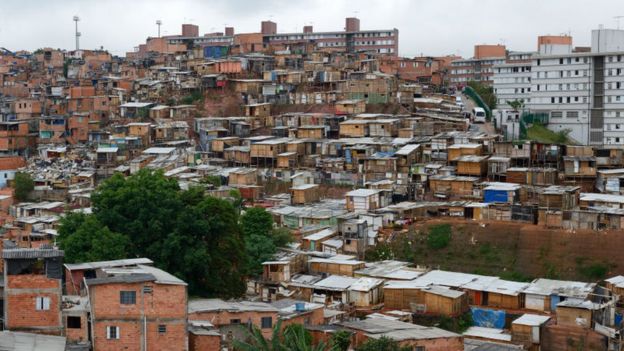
434	27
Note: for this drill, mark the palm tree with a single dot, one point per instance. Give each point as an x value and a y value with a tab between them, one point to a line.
257	341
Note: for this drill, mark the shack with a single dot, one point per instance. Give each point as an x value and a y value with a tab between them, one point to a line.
305	194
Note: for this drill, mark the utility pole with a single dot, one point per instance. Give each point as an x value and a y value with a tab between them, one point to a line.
617	19
76	19
158	23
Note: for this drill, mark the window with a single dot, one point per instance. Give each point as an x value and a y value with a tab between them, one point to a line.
112	332
267	322
419	348
162	328
73	322
235	321
42	303
127	297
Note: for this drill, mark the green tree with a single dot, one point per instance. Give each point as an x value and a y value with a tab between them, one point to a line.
382	344
23	185
516	105
186	233
84	239
257	342
297	338
261	241
340	341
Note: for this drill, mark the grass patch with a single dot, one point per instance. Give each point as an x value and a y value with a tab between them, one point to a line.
540	133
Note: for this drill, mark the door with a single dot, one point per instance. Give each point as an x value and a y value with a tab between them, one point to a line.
554	300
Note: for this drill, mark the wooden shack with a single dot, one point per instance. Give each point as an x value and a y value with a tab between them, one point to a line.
559	197
335	266
312	132
243	176
407	156
287	160
497	167
471	165
439	300
305	194
363	200
218	145
237	155
447	186
455	151
350	107
528	330
388	127
265	152
354	128
579	166
532	176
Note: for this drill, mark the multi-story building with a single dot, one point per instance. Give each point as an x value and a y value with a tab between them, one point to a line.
578	90
480	67
353	39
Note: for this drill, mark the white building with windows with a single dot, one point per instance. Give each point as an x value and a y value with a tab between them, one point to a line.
512	81
579	91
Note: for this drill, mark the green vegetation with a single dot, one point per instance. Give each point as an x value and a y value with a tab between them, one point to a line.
486	93
382	344
457	325
516	105
439	236
340	341
293	338
23	186
213	180
591	271
261	240
540	133
191	235
190	99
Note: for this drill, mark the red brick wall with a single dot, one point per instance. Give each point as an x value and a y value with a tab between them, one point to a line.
204	342
221	318
165	305
75	334
20	302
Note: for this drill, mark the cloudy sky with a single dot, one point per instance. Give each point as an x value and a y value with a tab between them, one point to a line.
425	27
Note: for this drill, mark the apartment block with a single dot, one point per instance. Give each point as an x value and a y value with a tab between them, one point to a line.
478	68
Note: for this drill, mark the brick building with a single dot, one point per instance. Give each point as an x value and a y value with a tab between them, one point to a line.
33	290
137	308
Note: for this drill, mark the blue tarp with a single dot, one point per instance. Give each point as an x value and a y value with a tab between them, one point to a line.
490	196
482	317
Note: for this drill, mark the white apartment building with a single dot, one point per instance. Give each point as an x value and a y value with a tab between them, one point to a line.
512	81
580	91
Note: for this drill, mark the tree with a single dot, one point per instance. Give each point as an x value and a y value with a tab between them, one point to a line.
257	342
340	341
382	344
516	105
297	338
84	239
186	233
261	241
23	185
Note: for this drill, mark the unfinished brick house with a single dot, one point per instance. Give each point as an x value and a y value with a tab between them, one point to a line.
137	308
33	290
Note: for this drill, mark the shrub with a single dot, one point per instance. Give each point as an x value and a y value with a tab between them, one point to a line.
439	236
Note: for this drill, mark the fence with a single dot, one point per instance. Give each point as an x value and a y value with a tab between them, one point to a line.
478	100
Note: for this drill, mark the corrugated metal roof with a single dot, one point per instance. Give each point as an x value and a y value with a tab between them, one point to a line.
122	278
31	253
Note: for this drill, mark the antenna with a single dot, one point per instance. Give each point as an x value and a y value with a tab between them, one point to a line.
158	23
617	19
77	19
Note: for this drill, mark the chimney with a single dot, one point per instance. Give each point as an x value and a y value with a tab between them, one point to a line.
352	24
268	27
229	31
307	29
